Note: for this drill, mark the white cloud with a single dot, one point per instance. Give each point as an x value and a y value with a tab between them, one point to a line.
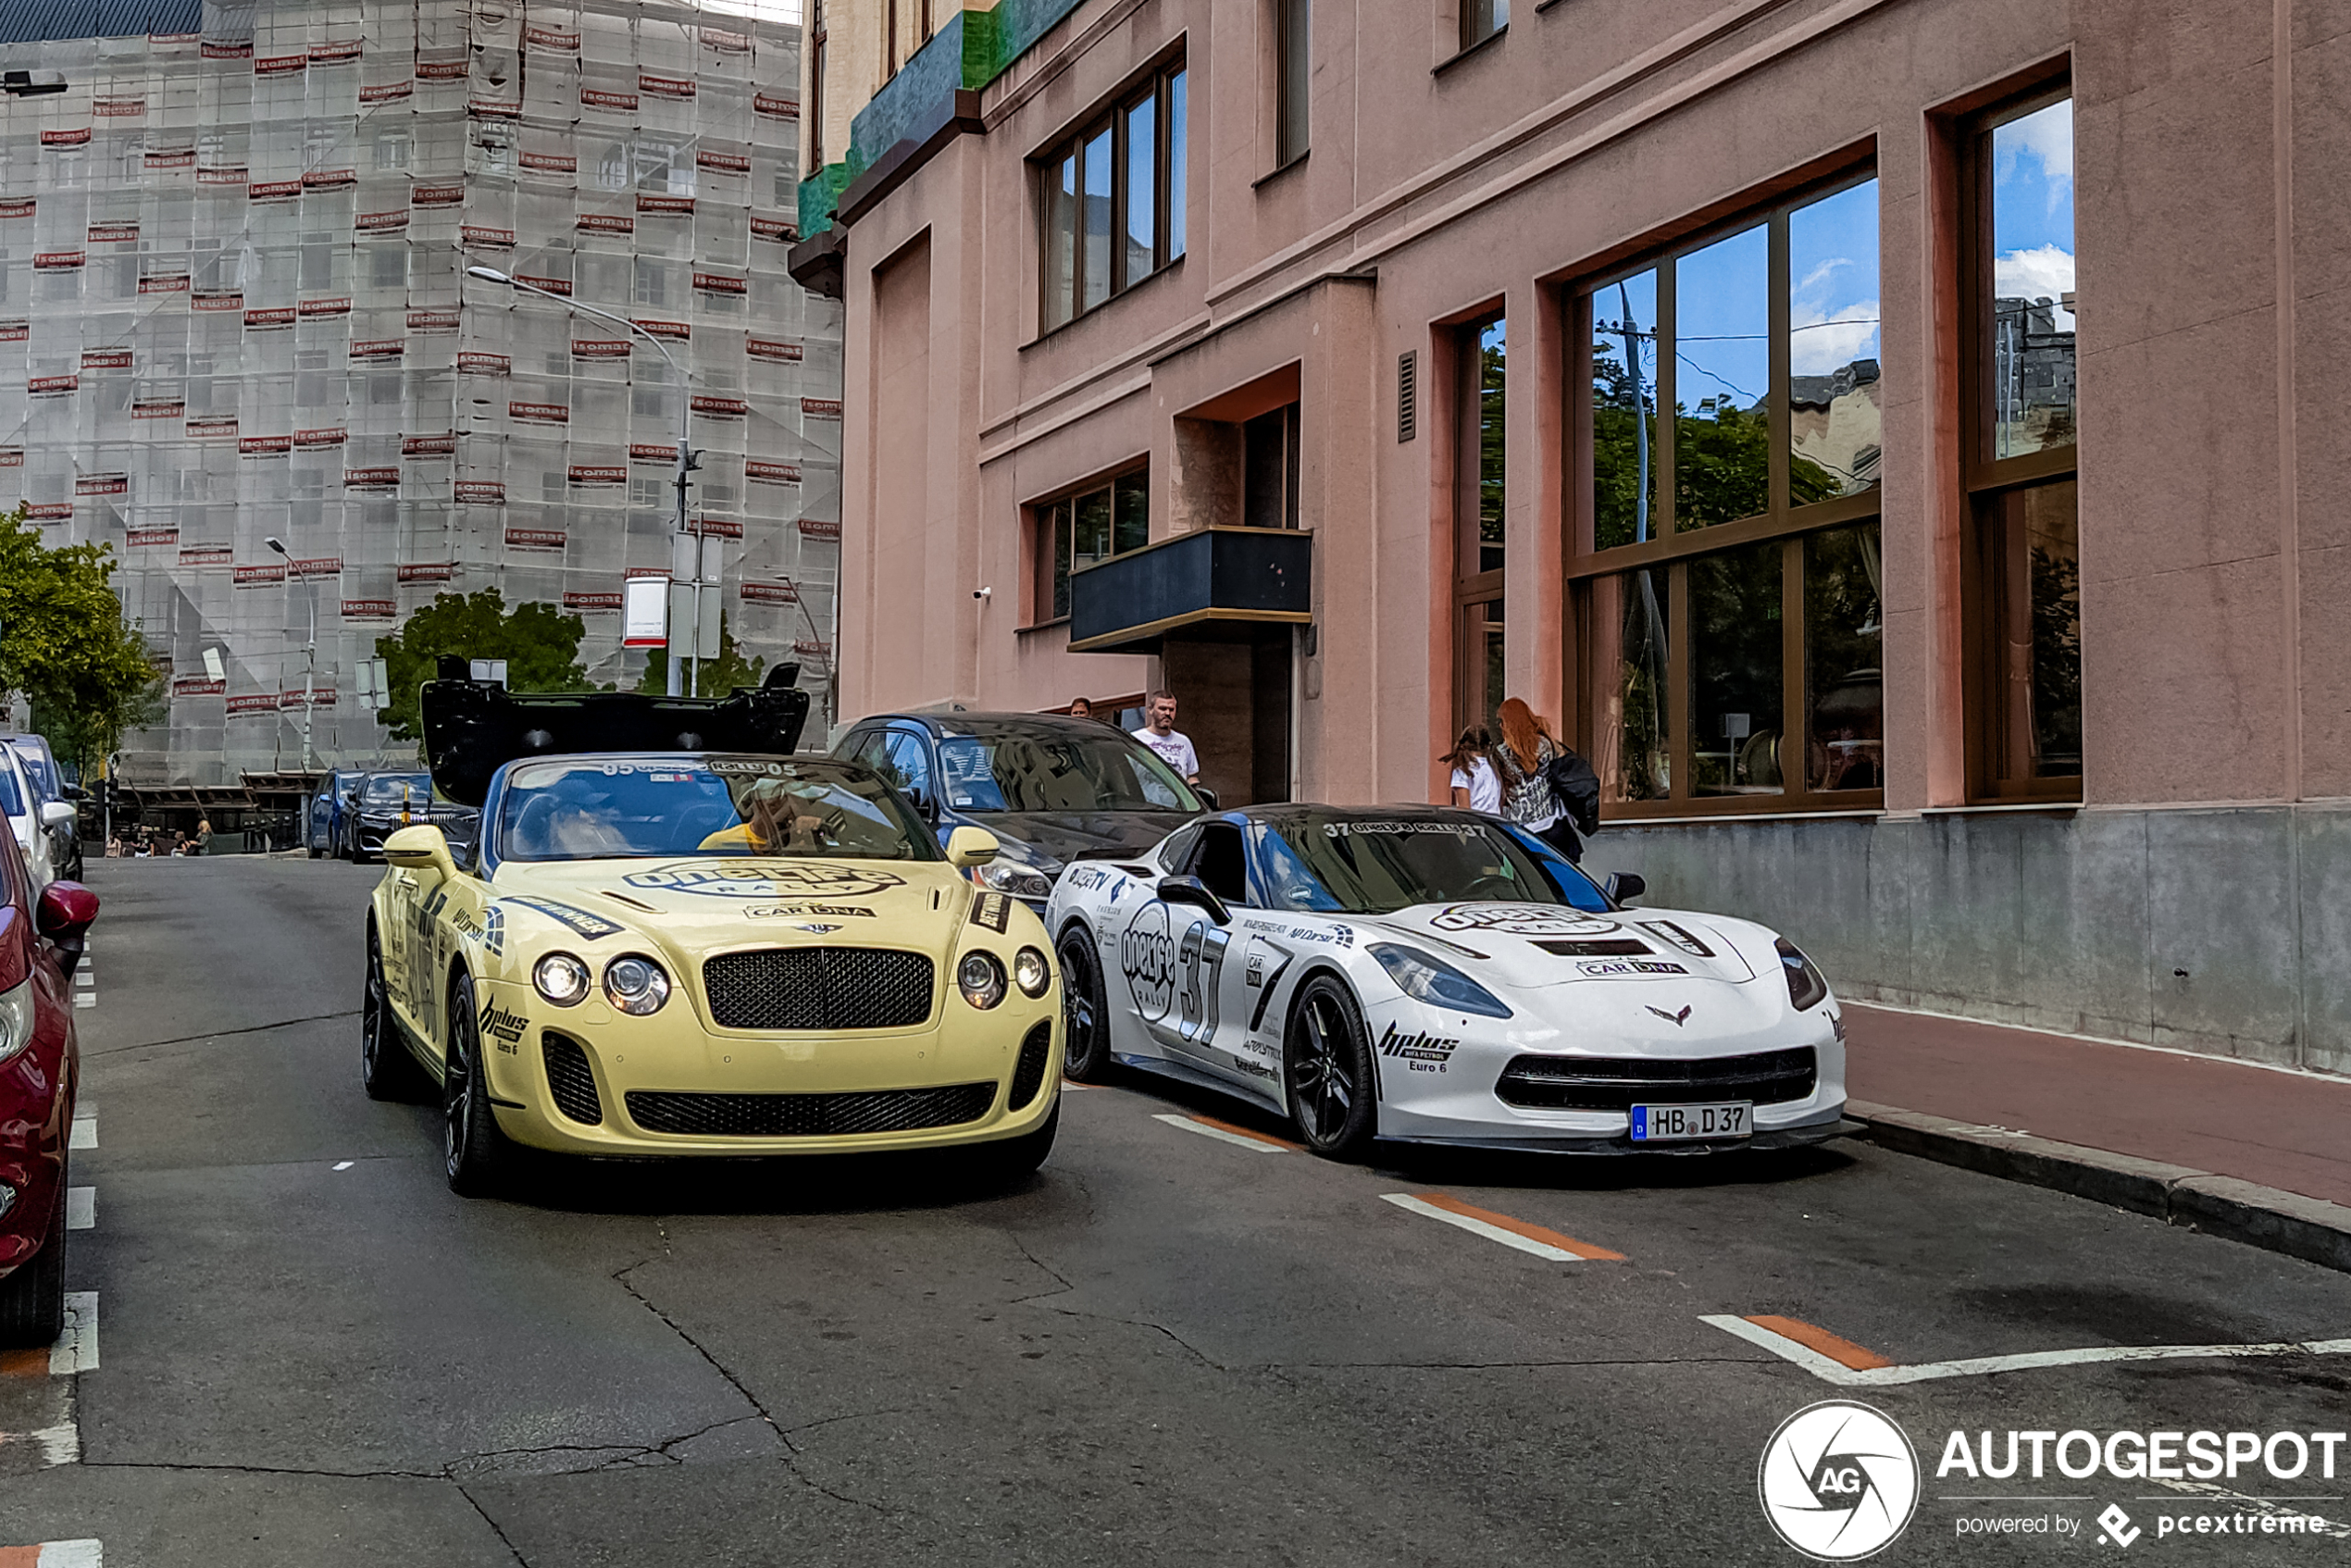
1820	344
2047	137
2044	273
1820	273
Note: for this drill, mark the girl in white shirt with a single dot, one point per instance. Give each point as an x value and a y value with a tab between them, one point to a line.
1475	785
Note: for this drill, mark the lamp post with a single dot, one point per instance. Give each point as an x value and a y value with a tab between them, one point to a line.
310	654
686	463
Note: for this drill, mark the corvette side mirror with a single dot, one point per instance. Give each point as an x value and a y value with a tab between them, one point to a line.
420	848
967	847
1623	887
1193	890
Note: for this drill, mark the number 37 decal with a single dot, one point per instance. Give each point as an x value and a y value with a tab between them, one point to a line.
1171	973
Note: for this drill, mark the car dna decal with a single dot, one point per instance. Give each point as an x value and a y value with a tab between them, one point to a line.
765	879
591	926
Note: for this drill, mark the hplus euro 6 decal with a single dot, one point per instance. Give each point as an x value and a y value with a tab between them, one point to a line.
765	879
1522	920
1421	1052
992	910
503	1026
592	927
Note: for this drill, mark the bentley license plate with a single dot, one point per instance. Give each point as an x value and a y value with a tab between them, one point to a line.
1663	1124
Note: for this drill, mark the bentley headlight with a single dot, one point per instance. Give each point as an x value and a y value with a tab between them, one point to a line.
1006	876
981	980
561	978
15	1020
635	984
1806	984
1426	977
1031	973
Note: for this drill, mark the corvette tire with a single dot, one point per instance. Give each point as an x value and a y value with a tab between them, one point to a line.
478	1157
32	1299
1326	1070
1016	1159
1086	1026
387	1069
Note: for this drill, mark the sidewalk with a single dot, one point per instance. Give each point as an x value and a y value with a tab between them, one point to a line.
2239	1151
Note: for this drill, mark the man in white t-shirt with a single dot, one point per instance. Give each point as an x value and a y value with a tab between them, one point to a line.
1161	735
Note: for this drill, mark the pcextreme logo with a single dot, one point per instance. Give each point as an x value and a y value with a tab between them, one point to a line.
1838	1481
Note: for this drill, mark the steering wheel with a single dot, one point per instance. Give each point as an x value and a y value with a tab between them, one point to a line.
1502	889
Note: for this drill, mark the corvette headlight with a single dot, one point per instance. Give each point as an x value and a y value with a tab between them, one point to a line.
1031	973
635	984
561	978
1806	984
1021	882
15	1021
981	980
1426	977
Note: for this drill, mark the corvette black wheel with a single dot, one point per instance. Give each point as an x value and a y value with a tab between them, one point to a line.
479	1158
387	1070
1326	1067
1086	1021
32	1299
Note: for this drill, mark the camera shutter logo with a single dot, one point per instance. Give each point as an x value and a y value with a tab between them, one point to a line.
1838	1481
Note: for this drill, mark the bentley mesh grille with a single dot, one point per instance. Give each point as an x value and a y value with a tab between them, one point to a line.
808	1115
818	988
570	1080
1029	1074
1572	1083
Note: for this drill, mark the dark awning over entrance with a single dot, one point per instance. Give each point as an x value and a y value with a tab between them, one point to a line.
1211	583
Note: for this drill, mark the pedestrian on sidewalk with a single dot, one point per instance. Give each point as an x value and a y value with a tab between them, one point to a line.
1523	760
1474	785
1174	748
1080	707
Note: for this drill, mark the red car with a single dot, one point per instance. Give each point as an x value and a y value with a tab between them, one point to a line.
39	1071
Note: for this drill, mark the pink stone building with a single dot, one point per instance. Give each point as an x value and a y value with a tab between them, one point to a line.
1715	377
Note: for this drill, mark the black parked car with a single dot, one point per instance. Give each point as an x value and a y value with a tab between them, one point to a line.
1052	789
383	803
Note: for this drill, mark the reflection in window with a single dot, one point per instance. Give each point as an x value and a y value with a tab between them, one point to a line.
1836	421
1625	411
1634	754
1112	201
1722	370
1492	376
2030	356
1844	684
1735	663
1093	525
2030	562
1094	218
1480	19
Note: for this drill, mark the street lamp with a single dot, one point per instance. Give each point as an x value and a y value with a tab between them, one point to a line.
310	654
686	463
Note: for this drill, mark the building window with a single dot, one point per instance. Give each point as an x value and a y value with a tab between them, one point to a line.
1726	568
1073	531
816	84
1294	68
1480	19
1269	469
889	39
1114	199
2020	590
1481	376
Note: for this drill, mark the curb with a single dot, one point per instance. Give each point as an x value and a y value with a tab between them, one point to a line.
2308	1228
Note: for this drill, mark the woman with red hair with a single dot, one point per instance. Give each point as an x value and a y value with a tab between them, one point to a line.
1528	798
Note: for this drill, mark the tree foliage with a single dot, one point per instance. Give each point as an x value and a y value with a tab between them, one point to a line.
540	643
718	676
65	646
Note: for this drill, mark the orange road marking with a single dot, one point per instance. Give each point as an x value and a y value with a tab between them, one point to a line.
1519	1227
1843	1352
1250	1133
19	1556
23	1364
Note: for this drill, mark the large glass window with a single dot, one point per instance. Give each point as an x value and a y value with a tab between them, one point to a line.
1293	76
1480	19
1482	385
1076	530
2022	602
1726	572
1111	207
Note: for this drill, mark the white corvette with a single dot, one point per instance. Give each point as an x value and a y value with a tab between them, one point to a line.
1433	975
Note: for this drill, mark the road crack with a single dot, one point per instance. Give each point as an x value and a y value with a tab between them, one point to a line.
211	1035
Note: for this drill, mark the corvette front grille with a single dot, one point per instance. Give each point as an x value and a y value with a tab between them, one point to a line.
808	1115
570	1080
1029	1074
818	988
1589	1083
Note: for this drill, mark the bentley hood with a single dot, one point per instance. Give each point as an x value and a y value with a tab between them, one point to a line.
702	904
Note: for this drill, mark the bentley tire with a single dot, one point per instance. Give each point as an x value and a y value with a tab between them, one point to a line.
1085	1029
1016	1159
479	1159
387	1070
32	1299
1326	1070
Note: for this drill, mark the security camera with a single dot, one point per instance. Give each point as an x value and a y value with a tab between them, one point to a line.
983	593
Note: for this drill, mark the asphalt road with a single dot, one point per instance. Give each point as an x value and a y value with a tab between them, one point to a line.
1168	1348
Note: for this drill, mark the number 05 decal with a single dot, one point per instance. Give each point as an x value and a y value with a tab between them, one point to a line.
1201	961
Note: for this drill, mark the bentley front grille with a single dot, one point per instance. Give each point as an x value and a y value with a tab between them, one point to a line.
808	1115
818	988
1587	1083
570	1080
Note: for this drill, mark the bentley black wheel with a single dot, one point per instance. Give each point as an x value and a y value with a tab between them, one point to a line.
1327	1068
1085	1029
478	1157
386	1069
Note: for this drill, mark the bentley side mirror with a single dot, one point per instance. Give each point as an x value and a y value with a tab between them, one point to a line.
420	848
967	847
1623	887
1193	890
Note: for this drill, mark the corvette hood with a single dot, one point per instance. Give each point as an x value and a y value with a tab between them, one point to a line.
1529	946
695	904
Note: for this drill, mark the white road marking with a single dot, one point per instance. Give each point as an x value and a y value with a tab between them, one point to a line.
1236	1139
345	1164
82	1208
1829	1371
85	1130
71	1554
77	1348
85	999
84	977
1479	1227
60	1444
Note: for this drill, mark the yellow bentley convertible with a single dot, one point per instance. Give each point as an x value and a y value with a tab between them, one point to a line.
687	942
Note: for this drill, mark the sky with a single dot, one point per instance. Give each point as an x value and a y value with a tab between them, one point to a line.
2032	207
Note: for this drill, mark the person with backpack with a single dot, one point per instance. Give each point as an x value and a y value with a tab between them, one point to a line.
1474	784
1547	788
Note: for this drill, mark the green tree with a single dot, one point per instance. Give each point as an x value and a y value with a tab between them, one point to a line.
719	676
65	646
540	643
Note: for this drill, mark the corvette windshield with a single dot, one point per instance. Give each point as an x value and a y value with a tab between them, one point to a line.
1014	766
1372	865
613	808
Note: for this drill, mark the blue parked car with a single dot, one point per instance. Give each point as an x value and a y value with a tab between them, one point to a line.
322	827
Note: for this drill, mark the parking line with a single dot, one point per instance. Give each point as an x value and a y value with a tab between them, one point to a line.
85	1130
77	1348
84	978
85	999
1843	1352
24	1364
1533	1238
1223	1132
82	1208
1887	1373
53	1554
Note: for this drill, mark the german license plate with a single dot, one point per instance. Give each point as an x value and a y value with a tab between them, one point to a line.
1665	1124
